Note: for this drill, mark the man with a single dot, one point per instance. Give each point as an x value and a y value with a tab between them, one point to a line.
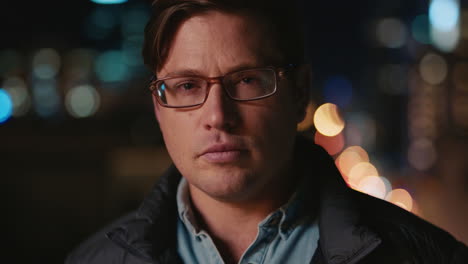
229	90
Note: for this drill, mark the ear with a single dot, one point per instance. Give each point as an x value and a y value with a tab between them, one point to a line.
156	107
303	78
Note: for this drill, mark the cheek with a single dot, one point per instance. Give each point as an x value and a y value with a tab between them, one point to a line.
175	128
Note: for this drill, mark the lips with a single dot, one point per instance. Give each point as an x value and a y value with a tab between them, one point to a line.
223	153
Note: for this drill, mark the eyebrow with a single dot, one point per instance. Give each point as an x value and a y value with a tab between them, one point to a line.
196	72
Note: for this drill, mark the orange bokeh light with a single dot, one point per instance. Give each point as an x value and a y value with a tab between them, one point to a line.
349	158
400	197
332	145
372	185
359	172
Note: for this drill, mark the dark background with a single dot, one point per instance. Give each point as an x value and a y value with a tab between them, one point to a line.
64	177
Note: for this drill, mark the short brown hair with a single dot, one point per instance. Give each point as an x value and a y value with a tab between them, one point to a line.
167	15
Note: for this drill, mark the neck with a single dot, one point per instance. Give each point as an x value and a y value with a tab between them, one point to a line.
233	225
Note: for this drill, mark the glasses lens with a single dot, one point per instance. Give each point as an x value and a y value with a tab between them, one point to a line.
181	91
251	84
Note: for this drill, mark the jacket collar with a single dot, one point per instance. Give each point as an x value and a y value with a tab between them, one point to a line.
150	235
343	236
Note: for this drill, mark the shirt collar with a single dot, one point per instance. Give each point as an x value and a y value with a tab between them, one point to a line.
284	218
184	207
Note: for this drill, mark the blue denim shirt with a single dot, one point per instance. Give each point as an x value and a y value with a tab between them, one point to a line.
288	235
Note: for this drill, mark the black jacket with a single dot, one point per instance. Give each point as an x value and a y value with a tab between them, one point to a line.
354	227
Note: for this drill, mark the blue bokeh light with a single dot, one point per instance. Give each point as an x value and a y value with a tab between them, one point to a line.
421	29
6	106
101	23
109	2
338	90
46	98
444	14
111	67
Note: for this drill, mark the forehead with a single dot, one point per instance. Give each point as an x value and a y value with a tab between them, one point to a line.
220	40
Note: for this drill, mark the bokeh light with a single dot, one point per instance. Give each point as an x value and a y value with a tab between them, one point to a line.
372	185
338	90
332	145
422	125
110	66
101	23
420	29
46	63
445	41
444	14
308	121
82	101
349	158
422	154
16	88
109	2
433	68
134	21
400	197
387	183
328	121
6	106
46	98
391	33
359	172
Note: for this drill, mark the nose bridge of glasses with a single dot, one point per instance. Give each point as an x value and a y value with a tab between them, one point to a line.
216	80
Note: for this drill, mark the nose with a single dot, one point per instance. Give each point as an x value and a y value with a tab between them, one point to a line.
219	111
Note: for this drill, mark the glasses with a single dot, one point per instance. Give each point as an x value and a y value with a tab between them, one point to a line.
244	85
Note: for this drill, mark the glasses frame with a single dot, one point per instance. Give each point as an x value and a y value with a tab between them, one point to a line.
277	71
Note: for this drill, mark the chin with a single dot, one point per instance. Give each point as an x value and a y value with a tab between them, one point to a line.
226	184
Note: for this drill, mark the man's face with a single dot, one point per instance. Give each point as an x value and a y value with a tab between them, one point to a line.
231	151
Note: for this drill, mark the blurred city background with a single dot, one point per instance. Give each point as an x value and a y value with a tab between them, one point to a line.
79	144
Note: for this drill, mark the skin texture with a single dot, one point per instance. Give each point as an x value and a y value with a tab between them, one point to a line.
248	183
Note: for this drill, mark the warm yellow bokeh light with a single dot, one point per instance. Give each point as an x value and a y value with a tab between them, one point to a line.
360	151
400	197
433	69
372	185
359	172
402	205
328	121
308	121
350	157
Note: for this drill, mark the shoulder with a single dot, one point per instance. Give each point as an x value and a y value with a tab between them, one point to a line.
99	248
138	236
409	233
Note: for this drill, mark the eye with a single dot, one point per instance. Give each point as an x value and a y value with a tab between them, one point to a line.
248	80
187	86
